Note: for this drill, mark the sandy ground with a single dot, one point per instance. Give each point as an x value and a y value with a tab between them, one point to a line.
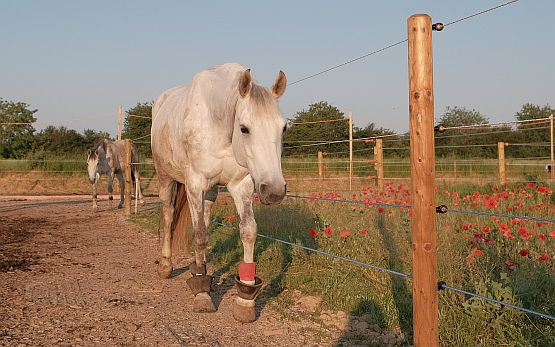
73	277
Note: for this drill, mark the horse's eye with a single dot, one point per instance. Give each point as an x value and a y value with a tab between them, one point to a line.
244	129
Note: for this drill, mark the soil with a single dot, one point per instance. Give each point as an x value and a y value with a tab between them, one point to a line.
73	277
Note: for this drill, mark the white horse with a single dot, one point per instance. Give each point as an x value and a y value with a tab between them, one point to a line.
221	129
108	157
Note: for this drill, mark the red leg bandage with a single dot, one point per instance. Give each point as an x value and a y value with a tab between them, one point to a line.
247	271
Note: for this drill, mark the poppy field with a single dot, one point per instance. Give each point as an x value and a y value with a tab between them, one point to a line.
486	245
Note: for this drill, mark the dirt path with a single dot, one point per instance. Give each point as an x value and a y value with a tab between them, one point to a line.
69	276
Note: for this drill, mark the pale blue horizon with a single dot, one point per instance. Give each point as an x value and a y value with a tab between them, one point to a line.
74	60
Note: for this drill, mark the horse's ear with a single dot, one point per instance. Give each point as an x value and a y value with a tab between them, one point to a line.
280	84
245	83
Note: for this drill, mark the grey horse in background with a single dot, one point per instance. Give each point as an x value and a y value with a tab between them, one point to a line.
108	158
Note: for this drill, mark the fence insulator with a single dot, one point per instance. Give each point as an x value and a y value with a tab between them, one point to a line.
441	285
438	26
440	128
441	209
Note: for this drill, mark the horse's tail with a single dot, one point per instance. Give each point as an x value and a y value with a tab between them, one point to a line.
180	224
132	176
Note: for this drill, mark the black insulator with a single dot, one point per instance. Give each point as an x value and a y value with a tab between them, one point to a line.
440	128
441	285
441	209
438	26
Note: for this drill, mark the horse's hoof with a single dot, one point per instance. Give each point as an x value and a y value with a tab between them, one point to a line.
110	198
243	310
203	303
120	206
165	268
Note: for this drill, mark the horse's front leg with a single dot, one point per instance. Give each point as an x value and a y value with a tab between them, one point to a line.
110	185
95	194
121	181
138	184
166	193
247	284
200	283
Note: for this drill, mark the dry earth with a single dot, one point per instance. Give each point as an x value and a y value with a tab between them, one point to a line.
73	277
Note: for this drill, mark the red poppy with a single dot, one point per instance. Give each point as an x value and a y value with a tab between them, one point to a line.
363	232
544	257
344	233
510	264
515	221
544	190
552	233
523	233
505	195
508	234
531	185
478	252
380	210
485	229
503	227
466	227
327	231
524	252
542	237
491	203
313	232
231	218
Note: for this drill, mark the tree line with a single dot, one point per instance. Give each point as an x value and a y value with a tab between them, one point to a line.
321	127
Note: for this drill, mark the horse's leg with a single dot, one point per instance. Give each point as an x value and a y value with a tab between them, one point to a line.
110	185
247	283
209	199
121	181
201	282
166	192
95	194
138	184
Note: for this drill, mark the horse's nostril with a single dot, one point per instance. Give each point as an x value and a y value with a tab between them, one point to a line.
263	188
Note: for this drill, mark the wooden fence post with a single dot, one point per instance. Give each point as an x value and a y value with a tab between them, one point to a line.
320	166
502	165
422	157
551	142
120	122
378	164
127	174
350	151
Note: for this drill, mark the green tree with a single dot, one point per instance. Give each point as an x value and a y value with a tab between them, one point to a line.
16	140
138	128
536	134
92	137
299	135
59	140
460	116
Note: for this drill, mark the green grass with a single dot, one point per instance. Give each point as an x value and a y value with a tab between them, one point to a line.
387	299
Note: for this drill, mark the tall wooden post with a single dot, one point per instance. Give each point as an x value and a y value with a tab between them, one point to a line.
350	151
551	142
502	165
127	173
422	157
378	164
320	165
120	122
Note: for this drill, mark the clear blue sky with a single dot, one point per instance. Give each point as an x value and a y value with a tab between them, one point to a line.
77	59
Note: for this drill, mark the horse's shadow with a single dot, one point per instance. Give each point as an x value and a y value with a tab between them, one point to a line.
287	223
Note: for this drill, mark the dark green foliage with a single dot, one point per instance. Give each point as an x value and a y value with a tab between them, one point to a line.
137	129
15	140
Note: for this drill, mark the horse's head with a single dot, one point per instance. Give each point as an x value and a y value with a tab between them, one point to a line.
257	135
92	164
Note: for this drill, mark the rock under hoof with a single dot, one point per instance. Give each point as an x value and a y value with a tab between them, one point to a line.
111	198
243	310
203	303
165	268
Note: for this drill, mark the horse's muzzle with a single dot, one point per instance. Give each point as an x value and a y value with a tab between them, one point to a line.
269	195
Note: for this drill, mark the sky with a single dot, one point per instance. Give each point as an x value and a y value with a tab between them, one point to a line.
77	61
